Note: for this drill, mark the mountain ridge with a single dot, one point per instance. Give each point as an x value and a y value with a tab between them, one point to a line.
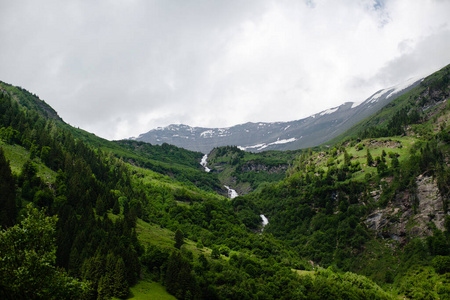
290	135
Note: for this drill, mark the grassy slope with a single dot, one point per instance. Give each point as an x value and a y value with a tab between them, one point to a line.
149	290
164	238
18	155
396	145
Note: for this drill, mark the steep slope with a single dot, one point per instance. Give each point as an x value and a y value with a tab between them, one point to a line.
377	203
423	101
256	137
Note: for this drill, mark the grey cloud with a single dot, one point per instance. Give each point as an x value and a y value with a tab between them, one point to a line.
427	56
119	68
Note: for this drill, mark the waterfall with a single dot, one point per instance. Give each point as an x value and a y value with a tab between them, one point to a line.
231	193
204	161
264	222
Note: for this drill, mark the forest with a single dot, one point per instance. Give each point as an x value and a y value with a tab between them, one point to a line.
86	218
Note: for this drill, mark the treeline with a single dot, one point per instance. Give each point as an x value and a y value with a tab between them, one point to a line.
244	277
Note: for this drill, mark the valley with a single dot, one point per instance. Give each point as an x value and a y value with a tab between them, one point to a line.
359	211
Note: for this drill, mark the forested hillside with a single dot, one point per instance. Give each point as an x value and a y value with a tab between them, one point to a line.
364	218
377	202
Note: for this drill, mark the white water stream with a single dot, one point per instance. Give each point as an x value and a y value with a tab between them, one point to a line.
204	162
231	193
265	221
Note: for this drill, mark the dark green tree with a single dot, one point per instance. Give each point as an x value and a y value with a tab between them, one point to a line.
346	159
27	255
369	159
179	239
94	269
103	289
179	279
116	207
441	264
8	210
120	280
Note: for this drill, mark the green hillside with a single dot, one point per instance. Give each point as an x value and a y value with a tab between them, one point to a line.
365	218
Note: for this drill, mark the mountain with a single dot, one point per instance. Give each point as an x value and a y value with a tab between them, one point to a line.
255	137
366	217
86	218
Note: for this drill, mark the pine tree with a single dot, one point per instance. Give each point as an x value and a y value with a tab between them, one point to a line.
111	261
346	159
179	279
103	291
8	209
116	207
179	239
120	280
93	269
369	159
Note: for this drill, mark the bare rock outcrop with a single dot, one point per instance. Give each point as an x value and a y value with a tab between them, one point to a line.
410	214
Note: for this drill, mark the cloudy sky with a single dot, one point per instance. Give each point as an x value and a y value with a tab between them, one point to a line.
119	68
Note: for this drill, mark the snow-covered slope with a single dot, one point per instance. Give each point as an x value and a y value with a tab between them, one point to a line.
255	137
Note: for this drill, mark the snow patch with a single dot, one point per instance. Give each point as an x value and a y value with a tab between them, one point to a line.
329	111
207	133
263	146
393	90
375	97
403	86
287	127
356	104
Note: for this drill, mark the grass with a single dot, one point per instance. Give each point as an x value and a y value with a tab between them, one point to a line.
18	155
164	238
396	145
149	290
304	272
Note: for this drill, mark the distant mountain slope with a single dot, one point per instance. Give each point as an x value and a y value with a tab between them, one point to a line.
256	137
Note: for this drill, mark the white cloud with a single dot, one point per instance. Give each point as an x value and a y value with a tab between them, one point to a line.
121	68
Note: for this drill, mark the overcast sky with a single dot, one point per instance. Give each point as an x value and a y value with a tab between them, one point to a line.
120	68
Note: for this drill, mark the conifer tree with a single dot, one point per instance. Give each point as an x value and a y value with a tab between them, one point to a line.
116	207
346	159
179	279
179	239
108	278
369	159
8	193
93	269
120	280
103	290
